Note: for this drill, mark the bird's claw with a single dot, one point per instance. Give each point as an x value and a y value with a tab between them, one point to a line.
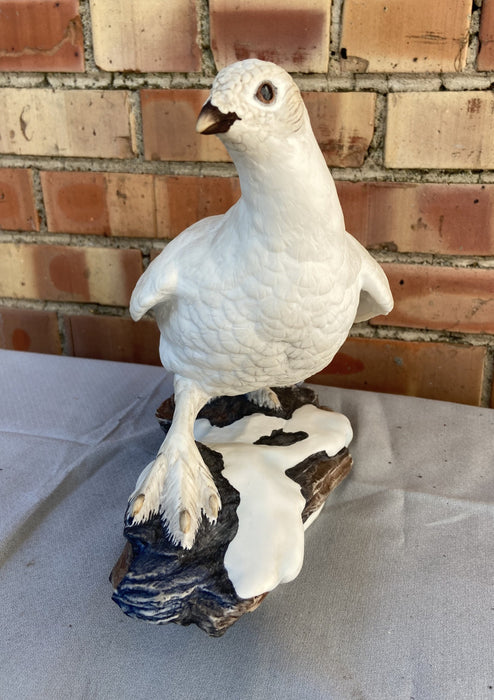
185	518
265	398
185	521
214	507
179	488
137	504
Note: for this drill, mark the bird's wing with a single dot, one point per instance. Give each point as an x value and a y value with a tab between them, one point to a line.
160	281
375	294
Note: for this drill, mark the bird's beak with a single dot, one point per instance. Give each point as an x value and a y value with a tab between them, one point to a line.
212	121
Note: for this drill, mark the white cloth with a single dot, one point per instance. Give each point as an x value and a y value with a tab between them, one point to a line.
395	599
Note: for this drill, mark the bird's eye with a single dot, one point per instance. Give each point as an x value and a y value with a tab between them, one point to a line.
265	93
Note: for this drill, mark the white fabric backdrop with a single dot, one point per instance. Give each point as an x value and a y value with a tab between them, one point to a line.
395	599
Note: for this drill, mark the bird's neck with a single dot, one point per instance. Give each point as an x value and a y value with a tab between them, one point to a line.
287	185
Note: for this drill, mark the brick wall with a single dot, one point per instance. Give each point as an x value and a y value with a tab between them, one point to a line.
100	166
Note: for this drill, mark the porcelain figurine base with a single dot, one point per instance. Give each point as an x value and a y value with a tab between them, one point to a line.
234	562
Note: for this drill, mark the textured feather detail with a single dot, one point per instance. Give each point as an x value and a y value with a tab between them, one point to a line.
375	293
159	282
261	296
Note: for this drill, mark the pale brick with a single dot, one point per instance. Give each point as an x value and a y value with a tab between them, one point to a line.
112	338
66	273
440	298
131	204
447	219
183	200
149	36
343	124
17	206
89	123
28	330
405	36
442	371
41	35
294	34
450	130
485	60
169	119
115	204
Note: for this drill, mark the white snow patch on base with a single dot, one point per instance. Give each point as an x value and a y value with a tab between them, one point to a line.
268	548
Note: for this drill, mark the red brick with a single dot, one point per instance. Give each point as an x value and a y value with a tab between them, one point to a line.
17	206
110	204
41	35
28	330
441	298
485	60
169	119
406	37
183	200
424	218
128	204
294	34
343	124
147	36
443	371
75	202
67	273
112	338
449	130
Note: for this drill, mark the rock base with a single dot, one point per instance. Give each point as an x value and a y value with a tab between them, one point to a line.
159	582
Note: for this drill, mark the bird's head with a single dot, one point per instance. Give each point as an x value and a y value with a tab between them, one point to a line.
252	100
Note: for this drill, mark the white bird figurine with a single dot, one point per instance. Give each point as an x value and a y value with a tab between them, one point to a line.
261	296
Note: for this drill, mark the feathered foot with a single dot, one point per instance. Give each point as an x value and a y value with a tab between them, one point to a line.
177	485
265	398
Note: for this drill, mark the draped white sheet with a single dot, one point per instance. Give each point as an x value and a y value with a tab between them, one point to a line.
395	599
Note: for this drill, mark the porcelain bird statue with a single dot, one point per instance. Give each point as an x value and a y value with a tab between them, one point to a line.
261	296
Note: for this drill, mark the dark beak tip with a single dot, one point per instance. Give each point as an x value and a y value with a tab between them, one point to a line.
211	120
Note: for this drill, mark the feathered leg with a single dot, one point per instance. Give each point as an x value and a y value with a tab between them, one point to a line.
177	483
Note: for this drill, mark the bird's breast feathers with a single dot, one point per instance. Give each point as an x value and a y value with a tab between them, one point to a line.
237	324
238	309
